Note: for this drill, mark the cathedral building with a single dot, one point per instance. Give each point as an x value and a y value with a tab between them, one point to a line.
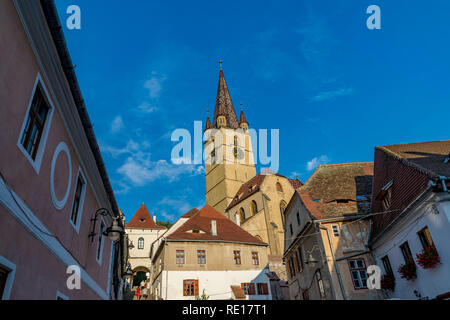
254	201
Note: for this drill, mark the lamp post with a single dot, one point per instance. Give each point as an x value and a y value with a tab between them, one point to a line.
113	232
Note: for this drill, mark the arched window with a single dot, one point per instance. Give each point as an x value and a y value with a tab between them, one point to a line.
235	140
241	215
282	208
279	187
254	207
141	243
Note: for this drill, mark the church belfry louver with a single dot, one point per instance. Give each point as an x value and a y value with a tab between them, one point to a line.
229	148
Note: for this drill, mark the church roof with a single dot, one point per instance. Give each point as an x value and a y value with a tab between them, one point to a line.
227	230
224	105
143	220
252	186
242	118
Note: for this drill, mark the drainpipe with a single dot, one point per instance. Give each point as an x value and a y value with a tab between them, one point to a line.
341	285
264	199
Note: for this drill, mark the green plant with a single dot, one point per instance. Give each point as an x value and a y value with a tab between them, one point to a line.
203	296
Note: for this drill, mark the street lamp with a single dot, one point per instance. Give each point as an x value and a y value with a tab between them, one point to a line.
128	273
131	245
113	232
311	261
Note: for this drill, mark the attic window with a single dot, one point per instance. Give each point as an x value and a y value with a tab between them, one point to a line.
361	198
142	220
316	200
342	201
195	231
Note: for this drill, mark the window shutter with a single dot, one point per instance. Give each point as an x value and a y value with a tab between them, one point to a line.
185	288
195	287
297	267
252	289
288	268
265	289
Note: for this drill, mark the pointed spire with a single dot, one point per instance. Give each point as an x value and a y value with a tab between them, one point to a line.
242	117
208	122
224	105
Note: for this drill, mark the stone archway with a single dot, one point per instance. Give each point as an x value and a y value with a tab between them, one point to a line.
139	275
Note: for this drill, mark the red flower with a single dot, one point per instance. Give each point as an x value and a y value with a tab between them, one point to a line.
408	270
428	257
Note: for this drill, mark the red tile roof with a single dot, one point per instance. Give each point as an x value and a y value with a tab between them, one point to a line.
143	220
410	167
238	292
252	186
339	189
227	230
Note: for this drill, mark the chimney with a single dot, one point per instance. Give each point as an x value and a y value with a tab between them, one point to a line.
154	218
214	227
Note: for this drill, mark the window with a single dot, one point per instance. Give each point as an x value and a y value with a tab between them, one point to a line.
201	256
263	289
241	215
387	265
180	257
320	284
77	206
299	255
190	287
255	258
254	207
100	242
290	229
425	237
3	278
279	187
358	272
298	218
336	231
237	257
291	266
141	243
406	252
35	122
249	288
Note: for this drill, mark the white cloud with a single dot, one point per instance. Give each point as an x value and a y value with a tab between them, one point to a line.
154	85
147	107
314	163
328	95
117	124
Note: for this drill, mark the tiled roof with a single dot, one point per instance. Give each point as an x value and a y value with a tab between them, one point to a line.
227	230
224	104
252	186
339	189
409	168
143	220
426	156
190	213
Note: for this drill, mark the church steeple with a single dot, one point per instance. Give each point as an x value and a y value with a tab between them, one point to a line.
208	122
242	121
224	104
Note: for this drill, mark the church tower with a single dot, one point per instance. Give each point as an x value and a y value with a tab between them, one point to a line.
229	159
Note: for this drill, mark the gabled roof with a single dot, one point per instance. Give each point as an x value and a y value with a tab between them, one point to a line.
224	105
427	157
252	186
190	213
227	230
143	220
336	190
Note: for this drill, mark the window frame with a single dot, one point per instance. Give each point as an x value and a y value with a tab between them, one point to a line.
9	267
201	257
425	237
336	232
262	289
255	258
180	254
299	256
320	285
387	265
100	242
237	257
358	270
405	249
37	161
298	218
140	241
79	214
248	288
194	285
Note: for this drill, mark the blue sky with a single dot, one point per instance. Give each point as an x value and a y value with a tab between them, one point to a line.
312	69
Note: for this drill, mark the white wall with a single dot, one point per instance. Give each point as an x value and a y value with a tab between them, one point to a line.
141	257
429	282
216	283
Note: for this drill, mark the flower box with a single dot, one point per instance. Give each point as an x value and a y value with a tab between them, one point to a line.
428	257
388	282
408	270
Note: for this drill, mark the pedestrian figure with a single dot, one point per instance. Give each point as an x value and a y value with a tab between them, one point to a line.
144	293
138	293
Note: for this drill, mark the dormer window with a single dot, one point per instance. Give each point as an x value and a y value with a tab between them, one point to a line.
385	195
195	231
142	220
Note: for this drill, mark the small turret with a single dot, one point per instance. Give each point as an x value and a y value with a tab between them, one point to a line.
208	124
242	121
221	117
